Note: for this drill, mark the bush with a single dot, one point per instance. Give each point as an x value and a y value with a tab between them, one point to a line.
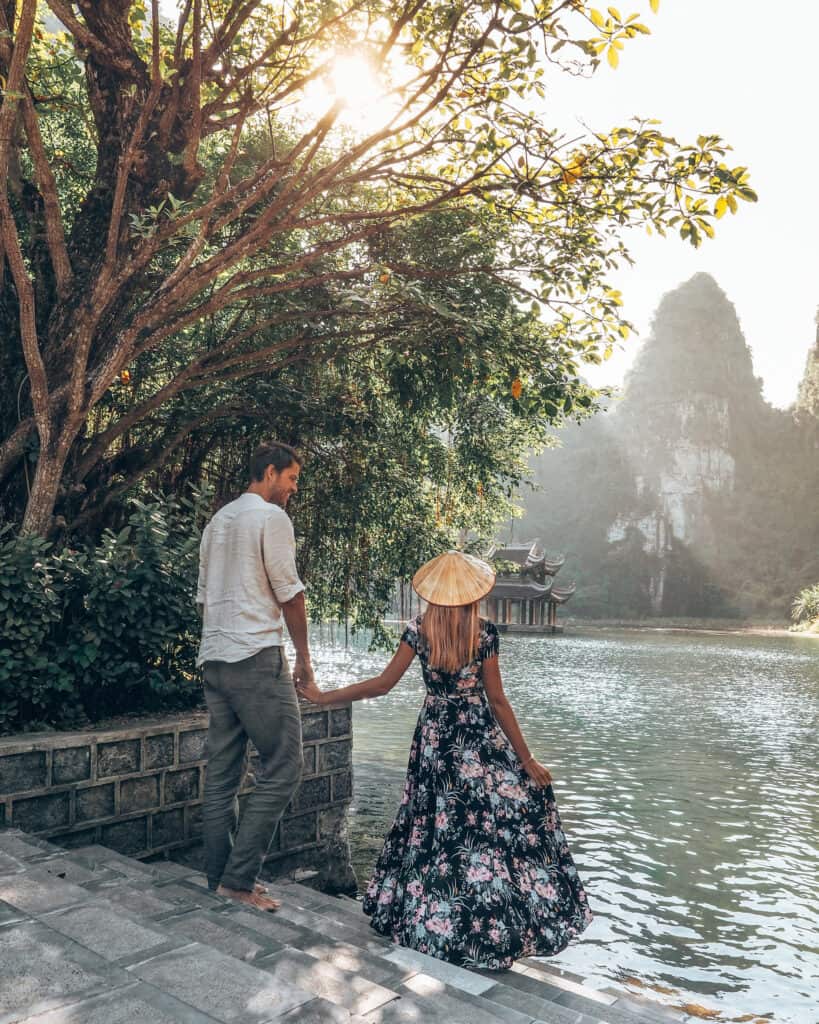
105	629
805	607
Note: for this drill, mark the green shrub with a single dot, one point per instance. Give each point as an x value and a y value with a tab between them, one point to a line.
101	630
805	607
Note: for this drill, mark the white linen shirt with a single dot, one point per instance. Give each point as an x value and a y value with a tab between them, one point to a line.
247	571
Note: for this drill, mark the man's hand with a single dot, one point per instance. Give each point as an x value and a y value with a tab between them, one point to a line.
311	692
303	672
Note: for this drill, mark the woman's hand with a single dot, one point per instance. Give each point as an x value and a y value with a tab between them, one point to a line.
541	776
308	689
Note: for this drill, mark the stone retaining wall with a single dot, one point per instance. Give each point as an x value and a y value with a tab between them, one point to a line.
138	789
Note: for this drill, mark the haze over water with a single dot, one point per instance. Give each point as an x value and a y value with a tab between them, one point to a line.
685	770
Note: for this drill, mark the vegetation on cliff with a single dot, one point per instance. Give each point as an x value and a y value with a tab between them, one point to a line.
690	496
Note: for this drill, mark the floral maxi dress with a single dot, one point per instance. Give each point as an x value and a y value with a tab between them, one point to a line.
475	869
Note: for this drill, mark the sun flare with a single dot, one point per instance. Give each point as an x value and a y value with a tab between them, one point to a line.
361	91
354	82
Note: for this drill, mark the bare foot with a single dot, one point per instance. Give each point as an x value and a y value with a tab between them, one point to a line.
258	887
252	898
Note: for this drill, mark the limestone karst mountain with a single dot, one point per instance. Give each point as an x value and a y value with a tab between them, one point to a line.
690	495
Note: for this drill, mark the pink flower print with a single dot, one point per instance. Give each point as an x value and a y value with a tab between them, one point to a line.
385	898
440	926
461	718
476	925
546	892
494	935
478	873
415	888
532	840
441	820
470	818
484	858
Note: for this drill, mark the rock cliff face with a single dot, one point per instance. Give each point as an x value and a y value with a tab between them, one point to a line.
667	499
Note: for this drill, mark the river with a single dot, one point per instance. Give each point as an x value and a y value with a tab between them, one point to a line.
685	769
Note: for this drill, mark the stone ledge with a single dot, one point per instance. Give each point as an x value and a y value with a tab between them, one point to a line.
137	785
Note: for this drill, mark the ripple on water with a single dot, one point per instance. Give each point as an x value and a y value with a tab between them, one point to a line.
685	768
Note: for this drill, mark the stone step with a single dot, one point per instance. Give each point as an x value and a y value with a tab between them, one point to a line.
155	932
303	907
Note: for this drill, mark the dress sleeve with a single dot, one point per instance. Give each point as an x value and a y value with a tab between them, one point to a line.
410	634
490	642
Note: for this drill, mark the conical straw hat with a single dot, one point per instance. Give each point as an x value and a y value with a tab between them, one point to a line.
453	579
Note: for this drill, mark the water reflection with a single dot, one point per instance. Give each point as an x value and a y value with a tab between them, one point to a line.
685	768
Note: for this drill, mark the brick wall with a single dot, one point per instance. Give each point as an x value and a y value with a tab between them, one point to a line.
138	789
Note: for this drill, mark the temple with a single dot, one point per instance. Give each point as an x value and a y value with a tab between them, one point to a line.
526	595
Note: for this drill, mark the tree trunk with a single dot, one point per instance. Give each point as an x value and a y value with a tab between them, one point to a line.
48	476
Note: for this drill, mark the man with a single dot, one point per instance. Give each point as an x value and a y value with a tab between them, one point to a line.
248	584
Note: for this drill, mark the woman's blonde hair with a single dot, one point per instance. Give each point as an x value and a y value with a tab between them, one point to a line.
452	635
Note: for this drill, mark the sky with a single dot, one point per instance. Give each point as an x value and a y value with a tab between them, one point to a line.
745	70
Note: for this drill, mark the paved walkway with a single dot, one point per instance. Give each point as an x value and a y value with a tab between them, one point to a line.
89	936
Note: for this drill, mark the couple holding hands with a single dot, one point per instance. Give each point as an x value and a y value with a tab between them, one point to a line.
476	869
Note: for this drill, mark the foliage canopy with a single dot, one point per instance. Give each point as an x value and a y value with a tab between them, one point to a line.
181	220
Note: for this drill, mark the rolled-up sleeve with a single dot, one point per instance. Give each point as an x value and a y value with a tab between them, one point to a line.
280	557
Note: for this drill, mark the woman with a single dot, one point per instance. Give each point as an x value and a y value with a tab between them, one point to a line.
475	868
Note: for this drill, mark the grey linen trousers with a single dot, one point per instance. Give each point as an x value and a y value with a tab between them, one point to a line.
254	698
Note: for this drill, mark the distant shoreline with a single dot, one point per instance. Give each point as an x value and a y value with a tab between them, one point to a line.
725	629
729	627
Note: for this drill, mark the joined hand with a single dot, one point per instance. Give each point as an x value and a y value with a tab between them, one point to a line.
309	690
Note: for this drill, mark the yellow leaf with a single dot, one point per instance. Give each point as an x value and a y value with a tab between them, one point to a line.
613	56
596	17
615	13
720	207
655	5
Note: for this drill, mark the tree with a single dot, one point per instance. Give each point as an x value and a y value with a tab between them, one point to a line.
212	195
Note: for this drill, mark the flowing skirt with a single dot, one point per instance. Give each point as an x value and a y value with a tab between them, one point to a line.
475	869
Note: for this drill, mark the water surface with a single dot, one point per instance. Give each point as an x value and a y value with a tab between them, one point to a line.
685	769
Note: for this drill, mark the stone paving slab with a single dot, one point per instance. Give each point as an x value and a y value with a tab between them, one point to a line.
104	931
422	986
352	958
138	1004
41	970
97	857
19	844
370	941
224	934
272	930
354	993
503	996
64	866
549	987
450	974
147	903
227	989
35	892
10	865
318	1011
9	913
435	1003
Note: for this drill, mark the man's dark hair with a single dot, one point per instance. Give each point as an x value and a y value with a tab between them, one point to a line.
274	454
